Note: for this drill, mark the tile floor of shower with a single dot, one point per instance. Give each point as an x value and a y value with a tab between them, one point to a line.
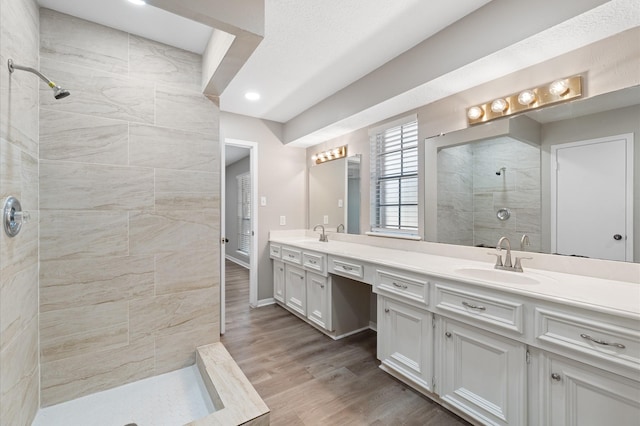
170	399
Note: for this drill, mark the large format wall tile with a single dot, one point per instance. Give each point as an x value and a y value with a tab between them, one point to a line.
150	60
98	93
188	270
77	282
179	350
83	234
190	111
87	139
76	186
19	117
181	190
165	148
18	304
81	375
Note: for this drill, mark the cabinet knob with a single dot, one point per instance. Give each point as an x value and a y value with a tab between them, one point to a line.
386	310
556	377
448	334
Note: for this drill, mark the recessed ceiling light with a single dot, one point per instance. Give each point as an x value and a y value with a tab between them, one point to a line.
252	96
138	2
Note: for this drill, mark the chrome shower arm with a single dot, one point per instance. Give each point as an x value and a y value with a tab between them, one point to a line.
13	67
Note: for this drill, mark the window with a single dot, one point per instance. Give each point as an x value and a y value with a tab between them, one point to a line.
244	212
394	180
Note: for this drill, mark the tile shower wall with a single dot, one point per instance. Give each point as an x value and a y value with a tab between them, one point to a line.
19	373
470	193
129	199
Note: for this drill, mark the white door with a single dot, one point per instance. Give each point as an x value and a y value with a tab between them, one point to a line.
592	198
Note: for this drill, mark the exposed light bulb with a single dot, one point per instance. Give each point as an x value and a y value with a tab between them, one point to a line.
499	105
558	87
314	157
474	113
526	97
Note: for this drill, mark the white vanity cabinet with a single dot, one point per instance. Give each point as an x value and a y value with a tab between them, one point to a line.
481	373
318	297
573	393
278	281
296	289
405	342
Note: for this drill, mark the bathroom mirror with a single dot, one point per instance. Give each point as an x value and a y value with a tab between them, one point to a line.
334	194
484	171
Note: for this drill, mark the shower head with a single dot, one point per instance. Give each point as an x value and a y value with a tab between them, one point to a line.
58	92
501	170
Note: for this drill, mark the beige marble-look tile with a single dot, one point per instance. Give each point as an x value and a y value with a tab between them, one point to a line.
18	363
517	199
79	42
29	182
83	234
461	201
80	330
528	220
186	270
166	148
488	219
78	282
173	313
19	112
70	378
527	179
82	138
153	61
178	181
183	110
179	350
98	94
19	32
18	303
167	232
76	186
21	252
10	169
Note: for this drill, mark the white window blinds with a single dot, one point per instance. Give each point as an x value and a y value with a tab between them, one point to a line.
394	180
244	212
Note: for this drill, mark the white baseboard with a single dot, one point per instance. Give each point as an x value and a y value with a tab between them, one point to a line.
266	302
373	326
237	261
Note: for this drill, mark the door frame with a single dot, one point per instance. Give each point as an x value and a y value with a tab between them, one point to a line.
253	251
628	137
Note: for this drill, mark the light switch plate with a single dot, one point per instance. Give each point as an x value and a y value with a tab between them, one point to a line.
283	220
340	203
263	201
326	219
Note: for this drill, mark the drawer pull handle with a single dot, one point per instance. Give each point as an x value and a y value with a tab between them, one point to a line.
602	342
312	261
291	256
447	334
556	377
386	310
471	306
403	286
347	268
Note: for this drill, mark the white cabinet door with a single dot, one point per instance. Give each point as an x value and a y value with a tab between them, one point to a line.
296	289
405	340
318	297
482	374
278	281
575	394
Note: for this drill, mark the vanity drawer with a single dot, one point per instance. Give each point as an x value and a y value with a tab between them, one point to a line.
275	251
291	255
588	336
315	262
402	286
346	268
489	309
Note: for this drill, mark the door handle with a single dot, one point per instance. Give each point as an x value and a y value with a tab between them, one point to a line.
617	237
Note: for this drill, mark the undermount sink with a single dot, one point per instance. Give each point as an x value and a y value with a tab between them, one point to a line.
496	275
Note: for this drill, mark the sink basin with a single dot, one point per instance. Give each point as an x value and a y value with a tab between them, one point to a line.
498	276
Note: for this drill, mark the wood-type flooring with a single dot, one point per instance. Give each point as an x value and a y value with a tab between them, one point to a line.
306	378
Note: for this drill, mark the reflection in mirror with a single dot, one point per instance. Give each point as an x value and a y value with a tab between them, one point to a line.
334	194
480	173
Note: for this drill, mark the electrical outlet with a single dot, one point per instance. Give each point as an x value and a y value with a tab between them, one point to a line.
326	219
263	201
283	220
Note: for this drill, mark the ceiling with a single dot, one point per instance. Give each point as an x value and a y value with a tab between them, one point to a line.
318	56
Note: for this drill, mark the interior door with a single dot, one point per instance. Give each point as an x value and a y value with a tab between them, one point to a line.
592	205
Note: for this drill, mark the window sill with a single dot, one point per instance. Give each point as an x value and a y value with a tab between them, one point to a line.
394	235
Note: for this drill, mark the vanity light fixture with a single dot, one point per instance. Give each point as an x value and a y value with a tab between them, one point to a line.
330	154
561	90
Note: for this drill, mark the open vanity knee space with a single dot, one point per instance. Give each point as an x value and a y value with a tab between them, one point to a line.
546	348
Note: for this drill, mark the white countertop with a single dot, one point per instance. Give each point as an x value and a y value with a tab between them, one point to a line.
608	296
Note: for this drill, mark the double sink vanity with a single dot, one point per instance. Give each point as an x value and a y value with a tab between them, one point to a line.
497	347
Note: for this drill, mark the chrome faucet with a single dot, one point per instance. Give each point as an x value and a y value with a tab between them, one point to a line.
338	228
507	258
524	242
323	236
